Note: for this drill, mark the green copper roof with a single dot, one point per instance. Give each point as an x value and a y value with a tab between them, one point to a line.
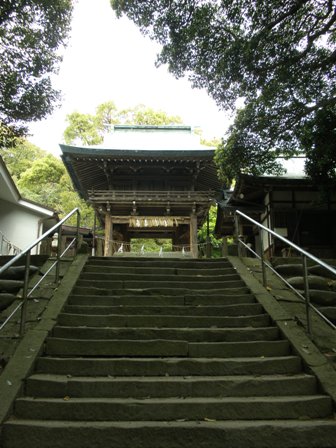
168	153
156	139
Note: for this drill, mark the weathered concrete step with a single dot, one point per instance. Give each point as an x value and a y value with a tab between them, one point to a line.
111	320
239	349
157	262
172	409
159	347
135	277
158	270
225	310
60	386
95	290
170	366
100	347
10	286
235	434
185	334
147	300
174	283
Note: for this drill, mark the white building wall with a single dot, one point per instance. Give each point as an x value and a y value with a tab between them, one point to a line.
19	225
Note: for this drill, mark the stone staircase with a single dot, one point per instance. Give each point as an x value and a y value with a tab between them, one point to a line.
162	353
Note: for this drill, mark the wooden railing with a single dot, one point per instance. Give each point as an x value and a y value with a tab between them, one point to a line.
152	197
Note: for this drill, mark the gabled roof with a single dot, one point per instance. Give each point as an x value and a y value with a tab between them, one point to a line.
134	148
157	138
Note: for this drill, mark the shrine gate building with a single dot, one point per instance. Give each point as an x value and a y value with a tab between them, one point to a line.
147	182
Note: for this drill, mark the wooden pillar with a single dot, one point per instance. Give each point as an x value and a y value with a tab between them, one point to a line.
108	250
99	247
193	236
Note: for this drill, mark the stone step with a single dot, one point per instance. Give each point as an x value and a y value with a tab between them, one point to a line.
152	300
225	310
157	262
60	386
184	334
153	278
66	319
145	284
161	347
171	291
96	366
10	286
172	409
158	270
231	434
158	353
114	347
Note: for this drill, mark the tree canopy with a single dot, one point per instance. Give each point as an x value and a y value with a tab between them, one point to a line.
89	129
279	56
31	35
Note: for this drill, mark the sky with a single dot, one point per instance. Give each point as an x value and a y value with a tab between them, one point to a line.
108	59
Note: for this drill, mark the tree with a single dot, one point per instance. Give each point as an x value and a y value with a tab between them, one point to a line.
203	233
279	56
142	115
82	127
90	129
47	182
19	156
247	149
31	35
318	138
42	178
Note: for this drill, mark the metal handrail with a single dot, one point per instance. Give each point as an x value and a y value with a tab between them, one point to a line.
264	264
27	254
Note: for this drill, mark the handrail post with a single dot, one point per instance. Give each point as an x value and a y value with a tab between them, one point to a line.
77	232
25	294
307	293
58	256
262	259
236	221
208	240
27	254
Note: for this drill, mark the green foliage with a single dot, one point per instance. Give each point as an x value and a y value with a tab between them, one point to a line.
151	245
203	231
19	156
247	149
82	127
142	115
89	129
319	140
107	114
216	244
47	169
279	56
31	34
42	178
